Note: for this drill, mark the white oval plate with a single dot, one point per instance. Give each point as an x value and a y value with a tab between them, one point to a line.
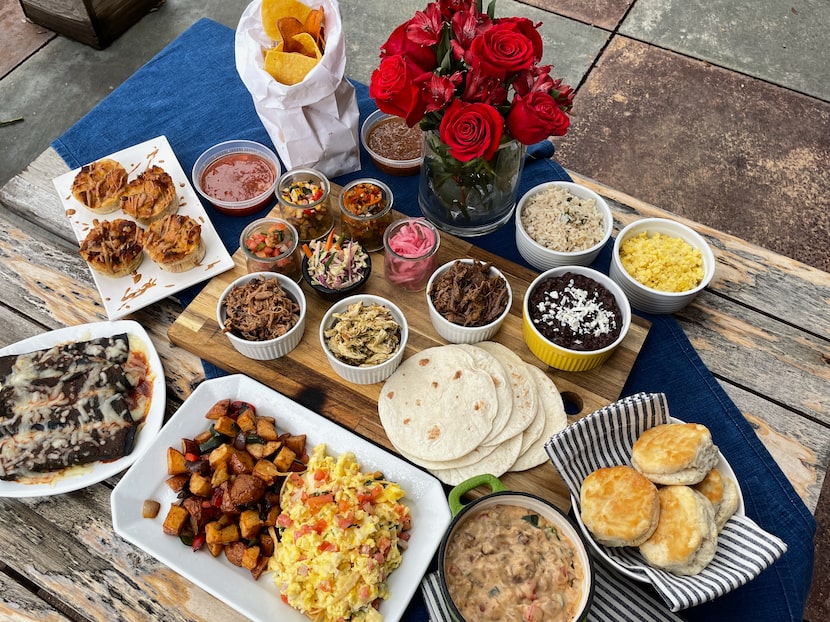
608	554
81	476
260	600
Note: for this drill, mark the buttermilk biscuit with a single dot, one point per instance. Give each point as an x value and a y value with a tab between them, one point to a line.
686	536
619	506
675	453
722	492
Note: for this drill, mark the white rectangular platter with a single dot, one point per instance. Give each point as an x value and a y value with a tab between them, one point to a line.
260	600
124	295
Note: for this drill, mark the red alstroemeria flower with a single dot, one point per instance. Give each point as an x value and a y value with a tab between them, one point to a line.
536	78
421	58
451	7
425	27
437	91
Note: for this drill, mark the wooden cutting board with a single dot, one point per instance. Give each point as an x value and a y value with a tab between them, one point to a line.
305	376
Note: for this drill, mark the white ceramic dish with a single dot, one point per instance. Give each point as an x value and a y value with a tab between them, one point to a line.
651	300
271	348
82	476
543	258
455	333
608	555
260	600
125	295
373	373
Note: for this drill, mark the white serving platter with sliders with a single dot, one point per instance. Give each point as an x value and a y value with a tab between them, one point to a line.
260	600
124	295
81	476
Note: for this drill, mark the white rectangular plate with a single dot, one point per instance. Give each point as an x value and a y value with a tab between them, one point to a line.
124	295
260	600
81	476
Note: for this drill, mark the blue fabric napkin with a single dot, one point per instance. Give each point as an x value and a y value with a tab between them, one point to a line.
191	93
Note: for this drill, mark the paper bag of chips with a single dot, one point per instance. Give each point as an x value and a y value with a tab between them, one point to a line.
291	56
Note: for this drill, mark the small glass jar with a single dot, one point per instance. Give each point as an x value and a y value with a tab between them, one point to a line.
303	195
366	212
411	253
272	245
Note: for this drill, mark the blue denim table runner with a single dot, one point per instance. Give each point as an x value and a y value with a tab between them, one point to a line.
191	93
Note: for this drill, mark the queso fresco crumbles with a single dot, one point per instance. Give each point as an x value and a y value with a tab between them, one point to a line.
662	262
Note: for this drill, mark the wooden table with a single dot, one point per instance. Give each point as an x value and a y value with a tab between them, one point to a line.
762	328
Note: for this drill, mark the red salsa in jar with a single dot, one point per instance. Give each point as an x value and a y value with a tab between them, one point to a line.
238	177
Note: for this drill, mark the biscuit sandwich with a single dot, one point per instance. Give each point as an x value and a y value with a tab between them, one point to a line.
175	243
150	196
619	506
675	453
686	537
113	247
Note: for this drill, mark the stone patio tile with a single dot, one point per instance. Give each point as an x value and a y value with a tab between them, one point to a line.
726	150
21	38
605	14
785	43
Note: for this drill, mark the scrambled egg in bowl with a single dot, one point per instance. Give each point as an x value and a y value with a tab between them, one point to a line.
342	533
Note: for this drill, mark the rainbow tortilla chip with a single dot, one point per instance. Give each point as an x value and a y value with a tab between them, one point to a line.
273	10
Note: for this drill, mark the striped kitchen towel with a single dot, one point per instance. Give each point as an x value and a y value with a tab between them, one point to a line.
604	438
616	599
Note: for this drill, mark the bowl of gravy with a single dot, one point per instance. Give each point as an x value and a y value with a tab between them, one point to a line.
500	545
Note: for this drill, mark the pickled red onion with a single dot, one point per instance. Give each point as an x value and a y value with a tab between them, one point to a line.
412	240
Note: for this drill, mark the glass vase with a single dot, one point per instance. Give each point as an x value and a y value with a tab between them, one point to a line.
469	198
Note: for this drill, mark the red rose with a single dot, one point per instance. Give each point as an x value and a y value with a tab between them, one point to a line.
535	117
471	130
504	48
420	58
394	90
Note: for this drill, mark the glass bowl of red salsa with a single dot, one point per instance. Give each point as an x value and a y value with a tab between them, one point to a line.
237	177
394	147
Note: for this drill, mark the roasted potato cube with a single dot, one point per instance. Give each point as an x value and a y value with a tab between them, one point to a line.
295	443
273	514
177	482
266	429
219	409
214	534
247	421
176	520
249	524
267	471
221	474
220	454
260	567
262	450
203	437
285	456
176	462
234	552
250	557
215	549
190	446
200	485
226	425
241	462
266	544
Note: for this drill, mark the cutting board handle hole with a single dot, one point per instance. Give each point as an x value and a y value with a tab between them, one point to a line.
572	402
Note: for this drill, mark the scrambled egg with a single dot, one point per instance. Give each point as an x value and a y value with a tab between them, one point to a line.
342	534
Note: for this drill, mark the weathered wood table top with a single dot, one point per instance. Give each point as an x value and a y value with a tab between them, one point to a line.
762	328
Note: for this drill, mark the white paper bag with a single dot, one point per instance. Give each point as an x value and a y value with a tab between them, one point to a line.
313	123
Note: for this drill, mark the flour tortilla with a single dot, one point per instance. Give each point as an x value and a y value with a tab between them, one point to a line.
554	416
438	404
525	397
497	463
475	456
504	391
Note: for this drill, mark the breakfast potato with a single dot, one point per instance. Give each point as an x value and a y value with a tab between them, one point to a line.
228	480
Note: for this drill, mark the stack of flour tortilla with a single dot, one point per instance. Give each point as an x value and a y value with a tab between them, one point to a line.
462	410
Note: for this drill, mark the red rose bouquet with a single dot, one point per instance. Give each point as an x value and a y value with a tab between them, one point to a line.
474	83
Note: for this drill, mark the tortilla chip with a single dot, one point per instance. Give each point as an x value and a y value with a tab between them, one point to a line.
289	27
288	68
313	25
307	46
273	10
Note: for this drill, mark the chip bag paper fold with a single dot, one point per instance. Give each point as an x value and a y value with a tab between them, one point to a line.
313	123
